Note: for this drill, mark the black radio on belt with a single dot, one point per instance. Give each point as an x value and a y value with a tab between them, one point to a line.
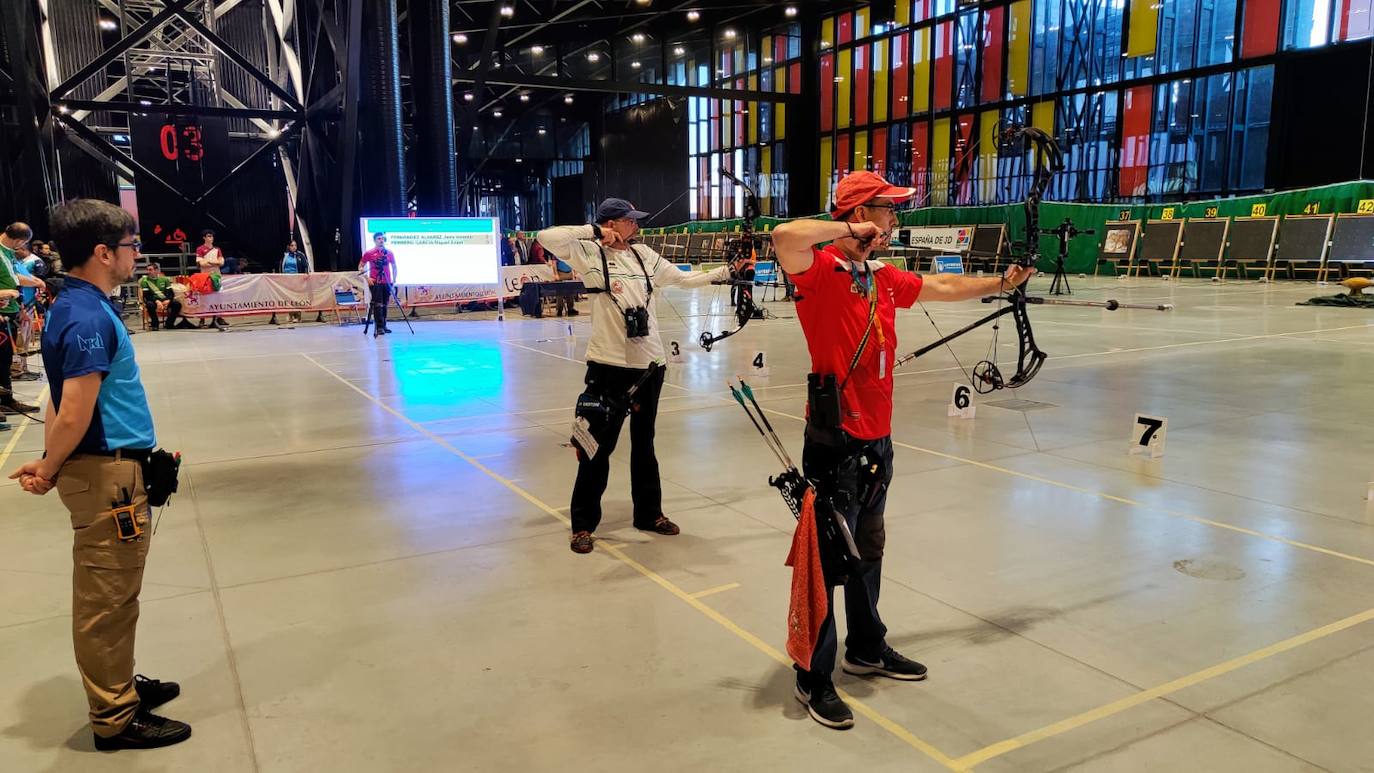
822	401
636	322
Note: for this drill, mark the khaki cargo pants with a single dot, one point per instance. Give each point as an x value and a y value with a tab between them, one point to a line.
107	575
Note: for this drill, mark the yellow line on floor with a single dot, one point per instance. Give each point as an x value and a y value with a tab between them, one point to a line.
1102	712
19	433
609	545
1122	500
701	594
892	727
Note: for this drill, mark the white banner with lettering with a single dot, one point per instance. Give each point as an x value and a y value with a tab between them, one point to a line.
242	294
936	238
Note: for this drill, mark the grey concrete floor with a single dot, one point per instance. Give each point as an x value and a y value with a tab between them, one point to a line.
367	567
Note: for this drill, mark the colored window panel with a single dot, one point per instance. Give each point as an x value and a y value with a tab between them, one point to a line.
828	87
794	79
920	67
1042	117
843	157
994	29
987	156
827	168
862	86
920	10
920	160
751	119
944	65
1137	104
879	163
939	163
964	159
1306	23
861	157
1260	28
1019	48
845	28
901	76
903	13
1144	27
844	93
1356	19
779	48
780	121
739	124
881	99
861	29
828	32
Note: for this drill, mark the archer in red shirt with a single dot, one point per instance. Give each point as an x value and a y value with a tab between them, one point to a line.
847	306
379	267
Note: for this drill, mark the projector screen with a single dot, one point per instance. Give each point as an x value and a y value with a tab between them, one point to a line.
439	250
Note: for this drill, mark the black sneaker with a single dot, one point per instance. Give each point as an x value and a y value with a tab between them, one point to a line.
890	664
153	692
146	731
824	706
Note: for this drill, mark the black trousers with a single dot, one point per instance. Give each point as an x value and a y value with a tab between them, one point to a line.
173	311
645	488
381	296
867	635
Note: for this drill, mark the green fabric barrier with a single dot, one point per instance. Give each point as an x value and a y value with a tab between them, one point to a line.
1326	199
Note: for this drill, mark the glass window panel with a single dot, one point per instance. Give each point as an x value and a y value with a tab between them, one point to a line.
828	87
940	163
1260	28
862	86
845	27
1306	23
1019	49
944	65
878	152
1173	151
881	98
1137	106
943	7
1045	48
1250	145
994	29
899	154
1355	19
920	161
1217	31
966	45
827	169
920	10
964	161
901	76
844	73
844	158
920	65
861	154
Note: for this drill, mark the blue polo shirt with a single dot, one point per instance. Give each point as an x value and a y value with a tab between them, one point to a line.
84	335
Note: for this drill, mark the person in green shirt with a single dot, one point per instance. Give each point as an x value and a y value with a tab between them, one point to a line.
16	235
158	299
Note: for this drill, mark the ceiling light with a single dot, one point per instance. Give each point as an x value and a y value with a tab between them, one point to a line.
693	15
730	34
467	97
507	11
536	50
635	65
273	133
568	100
593	56
497	114
638	37
768	60
542	131
791	11
108	24
679	50
144	102
519	160
524	97
63	109
460	38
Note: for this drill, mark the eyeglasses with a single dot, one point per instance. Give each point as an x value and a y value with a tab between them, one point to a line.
136	244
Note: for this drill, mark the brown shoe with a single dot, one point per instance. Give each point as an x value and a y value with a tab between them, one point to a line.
662	526
582	542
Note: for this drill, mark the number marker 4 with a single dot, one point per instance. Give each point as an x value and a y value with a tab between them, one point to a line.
674	352
961	402
1147	435
759	365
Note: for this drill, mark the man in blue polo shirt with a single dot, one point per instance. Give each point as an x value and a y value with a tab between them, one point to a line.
99	431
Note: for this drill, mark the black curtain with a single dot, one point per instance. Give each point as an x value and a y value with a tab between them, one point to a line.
643	157
1321	118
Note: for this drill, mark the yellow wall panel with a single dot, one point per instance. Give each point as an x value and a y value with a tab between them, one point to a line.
987	156
844	70
939	163
860	151
751	119
828	32
880	97
1042	116
903	12
779	121
1019	48
920	65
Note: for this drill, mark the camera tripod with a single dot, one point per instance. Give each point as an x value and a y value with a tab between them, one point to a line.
1065	231
368	322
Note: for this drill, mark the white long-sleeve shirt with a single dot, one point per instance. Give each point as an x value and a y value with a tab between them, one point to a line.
577	245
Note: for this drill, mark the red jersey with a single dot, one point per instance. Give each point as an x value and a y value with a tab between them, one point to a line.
833	310
381	265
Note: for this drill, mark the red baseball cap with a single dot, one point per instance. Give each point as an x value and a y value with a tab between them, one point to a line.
859	188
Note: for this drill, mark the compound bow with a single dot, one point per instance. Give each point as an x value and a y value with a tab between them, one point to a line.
986	376
738	254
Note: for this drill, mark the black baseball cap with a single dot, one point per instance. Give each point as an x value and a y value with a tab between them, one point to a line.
614	209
